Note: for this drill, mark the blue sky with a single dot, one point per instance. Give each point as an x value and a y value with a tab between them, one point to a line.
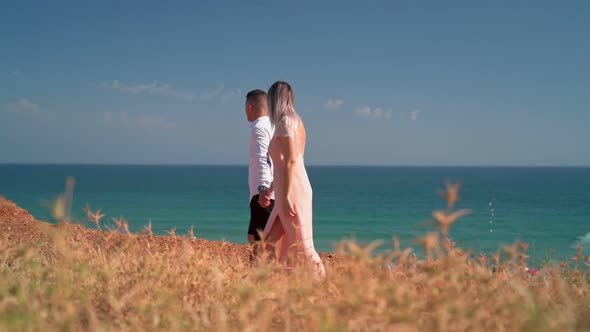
377	83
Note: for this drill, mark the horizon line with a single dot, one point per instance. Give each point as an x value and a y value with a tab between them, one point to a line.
309	165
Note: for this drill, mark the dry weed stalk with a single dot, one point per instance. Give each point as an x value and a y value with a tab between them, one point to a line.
191	232
122	225
61	208
579	255
94	216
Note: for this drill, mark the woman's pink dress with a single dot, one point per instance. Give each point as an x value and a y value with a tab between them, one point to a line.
296	231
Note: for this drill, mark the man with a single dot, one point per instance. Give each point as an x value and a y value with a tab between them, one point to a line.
260	169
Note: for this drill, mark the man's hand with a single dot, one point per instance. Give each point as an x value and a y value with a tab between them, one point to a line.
264	198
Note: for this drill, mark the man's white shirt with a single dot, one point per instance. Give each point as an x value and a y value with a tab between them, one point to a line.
260	169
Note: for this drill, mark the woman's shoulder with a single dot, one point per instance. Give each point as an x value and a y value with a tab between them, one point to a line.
291	119
288	124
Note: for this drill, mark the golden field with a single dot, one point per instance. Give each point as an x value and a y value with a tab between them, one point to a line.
67	277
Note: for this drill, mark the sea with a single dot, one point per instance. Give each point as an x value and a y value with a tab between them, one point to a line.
548	208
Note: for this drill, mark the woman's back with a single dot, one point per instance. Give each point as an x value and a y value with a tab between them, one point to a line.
291	126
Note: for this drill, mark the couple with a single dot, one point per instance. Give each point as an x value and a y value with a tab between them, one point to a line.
277	145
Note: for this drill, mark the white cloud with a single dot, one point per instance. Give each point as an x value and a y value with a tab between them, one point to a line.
149	88
117	116
147	121
219	93
377	112
16	72
144	121
333	104
414	114
26	105
228	95
365	110
212	94
380	113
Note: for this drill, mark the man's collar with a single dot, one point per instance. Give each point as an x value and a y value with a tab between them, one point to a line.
258	119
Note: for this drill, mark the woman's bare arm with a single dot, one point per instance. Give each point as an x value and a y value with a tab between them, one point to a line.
289	152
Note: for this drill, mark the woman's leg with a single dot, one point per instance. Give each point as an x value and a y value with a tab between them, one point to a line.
274	238
291	243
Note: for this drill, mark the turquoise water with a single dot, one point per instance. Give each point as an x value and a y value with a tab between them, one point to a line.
547	207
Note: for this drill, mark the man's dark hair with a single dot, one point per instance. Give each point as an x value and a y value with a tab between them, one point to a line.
255	94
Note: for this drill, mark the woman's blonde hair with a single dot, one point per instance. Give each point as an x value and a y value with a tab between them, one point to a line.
281	101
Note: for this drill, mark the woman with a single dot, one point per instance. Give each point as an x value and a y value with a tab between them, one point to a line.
291	218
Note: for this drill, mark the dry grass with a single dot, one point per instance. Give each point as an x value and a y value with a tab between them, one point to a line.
116	280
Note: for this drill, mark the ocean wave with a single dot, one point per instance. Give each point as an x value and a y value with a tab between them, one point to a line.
583	240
